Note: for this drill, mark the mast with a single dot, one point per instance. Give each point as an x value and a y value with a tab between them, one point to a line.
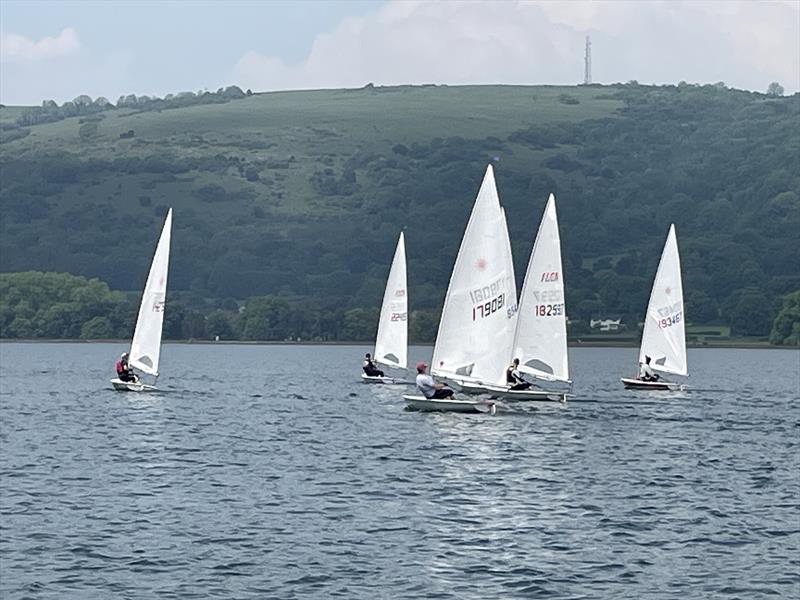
587	62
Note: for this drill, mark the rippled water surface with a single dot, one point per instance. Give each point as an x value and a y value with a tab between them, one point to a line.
248	478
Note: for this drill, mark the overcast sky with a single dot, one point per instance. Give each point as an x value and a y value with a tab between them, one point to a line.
58	50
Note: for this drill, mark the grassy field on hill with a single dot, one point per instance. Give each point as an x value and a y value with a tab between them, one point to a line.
301	195
317	130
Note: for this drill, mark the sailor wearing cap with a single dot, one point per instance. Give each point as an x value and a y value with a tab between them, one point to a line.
428	387
124	371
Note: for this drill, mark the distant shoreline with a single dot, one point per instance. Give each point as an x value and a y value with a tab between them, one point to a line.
743	344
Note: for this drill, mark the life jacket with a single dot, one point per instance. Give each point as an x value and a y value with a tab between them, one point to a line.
119	367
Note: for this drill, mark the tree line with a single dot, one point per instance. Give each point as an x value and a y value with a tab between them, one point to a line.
35	305
84	105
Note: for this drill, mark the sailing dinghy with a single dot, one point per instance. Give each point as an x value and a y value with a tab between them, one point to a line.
391	344
479	313
540	340
146	344
540	337
500	389
664	335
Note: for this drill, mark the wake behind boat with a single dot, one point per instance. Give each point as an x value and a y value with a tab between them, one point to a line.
385	380
130	386
663	346
146	343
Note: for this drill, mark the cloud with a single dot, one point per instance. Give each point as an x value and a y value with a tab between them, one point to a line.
15	47
746	44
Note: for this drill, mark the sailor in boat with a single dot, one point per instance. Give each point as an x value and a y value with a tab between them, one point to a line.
646	372
428	387
514	379
369	367
124	371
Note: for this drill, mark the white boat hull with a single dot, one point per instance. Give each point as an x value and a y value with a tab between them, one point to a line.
385	380
130	386
497	391
448	404
638	384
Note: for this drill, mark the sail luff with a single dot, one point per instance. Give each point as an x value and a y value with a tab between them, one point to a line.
146	343
513	302
391	343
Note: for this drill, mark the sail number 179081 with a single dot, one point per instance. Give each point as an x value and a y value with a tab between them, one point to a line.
489	307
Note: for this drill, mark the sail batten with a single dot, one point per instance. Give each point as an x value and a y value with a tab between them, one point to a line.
391	344
146	343
479	313
541	332
664	335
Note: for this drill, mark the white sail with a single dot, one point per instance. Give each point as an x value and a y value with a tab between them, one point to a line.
664	337
391	345
511	324
146	343
540	342
478	317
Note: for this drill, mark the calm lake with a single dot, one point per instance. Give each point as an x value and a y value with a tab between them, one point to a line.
272	472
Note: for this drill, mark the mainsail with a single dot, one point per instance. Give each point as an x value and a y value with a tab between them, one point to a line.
146	343
479	313
540	342
664	336
391	345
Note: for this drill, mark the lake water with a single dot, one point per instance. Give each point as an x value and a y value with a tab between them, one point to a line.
246	479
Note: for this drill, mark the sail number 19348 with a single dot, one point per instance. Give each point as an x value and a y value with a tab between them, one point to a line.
670	315
670	321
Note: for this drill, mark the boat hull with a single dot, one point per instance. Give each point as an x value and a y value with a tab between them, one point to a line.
384	380
497	391
638	384
422	403
130	386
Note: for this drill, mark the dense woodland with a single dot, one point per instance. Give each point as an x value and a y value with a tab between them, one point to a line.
288	205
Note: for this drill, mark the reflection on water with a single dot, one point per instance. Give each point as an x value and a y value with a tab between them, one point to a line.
246	478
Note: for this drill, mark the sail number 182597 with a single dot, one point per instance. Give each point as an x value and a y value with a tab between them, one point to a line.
549	310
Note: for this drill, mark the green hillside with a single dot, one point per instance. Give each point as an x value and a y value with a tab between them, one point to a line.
302	194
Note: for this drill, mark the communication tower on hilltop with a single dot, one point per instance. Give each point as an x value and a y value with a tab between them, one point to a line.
587	62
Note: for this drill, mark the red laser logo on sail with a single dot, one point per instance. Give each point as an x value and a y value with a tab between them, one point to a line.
549	276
